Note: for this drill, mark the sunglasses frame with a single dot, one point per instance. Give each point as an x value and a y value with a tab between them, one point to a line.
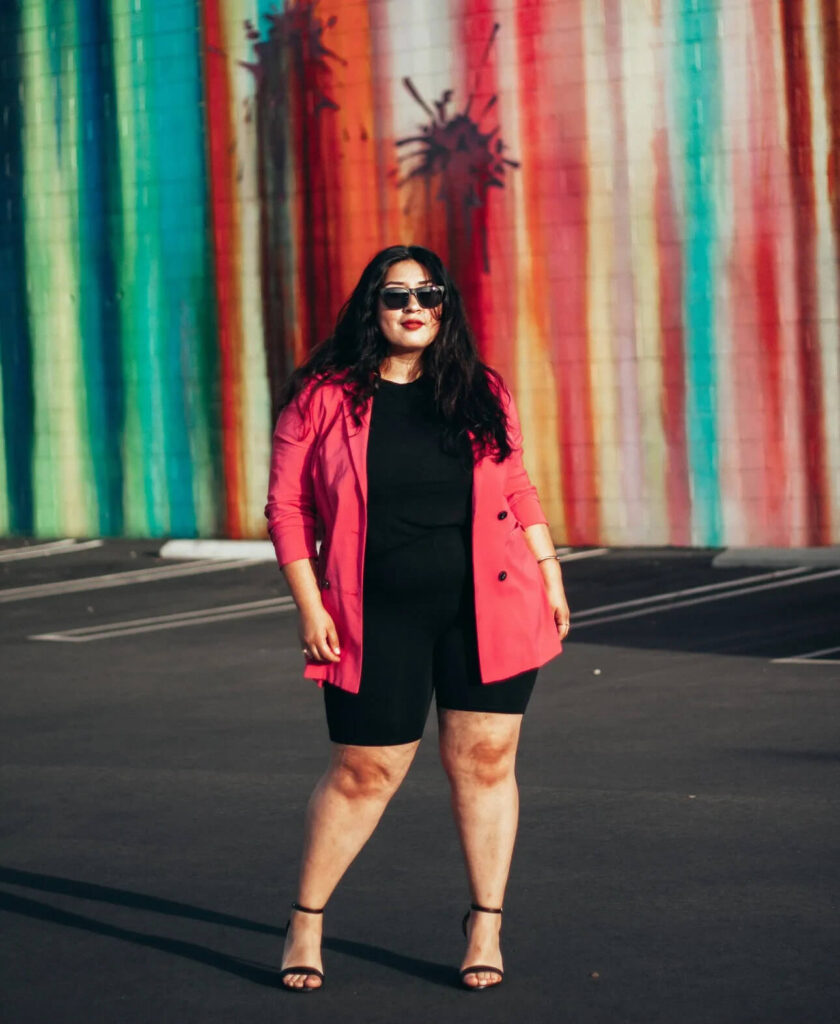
407	292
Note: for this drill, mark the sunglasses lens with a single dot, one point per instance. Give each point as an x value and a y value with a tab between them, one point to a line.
395	298
430	297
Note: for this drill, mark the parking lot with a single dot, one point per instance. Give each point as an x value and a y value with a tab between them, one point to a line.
679	850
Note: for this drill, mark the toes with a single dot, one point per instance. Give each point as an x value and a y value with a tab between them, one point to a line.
302	981
481	979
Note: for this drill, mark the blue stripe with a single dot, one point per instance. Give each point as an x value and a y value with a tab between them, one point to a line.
99	313
696	83
176	95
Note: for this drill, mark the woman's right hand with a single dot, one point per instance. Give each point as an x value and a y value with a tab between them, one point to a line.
318	636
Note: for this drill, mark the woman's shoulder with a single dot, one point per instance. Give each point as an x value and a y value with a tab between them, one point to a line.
322	388
497	385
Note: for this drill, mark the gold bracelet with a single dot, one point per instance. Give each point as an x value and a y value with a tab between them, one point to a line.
546	558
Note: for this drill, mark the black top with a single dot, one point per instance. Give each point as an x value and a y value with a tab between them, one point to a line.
414	487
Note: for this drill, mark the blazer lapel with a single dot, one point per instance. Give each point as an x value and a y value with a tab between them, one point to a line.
357	439
479	473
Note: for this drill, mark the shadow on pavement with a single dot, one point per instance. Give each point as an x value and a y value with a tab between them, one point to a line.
439	974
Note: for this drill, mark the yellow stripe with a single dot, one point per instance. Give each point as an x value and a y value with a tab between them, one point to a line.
63	504
535	382
642	84
599	271
255	403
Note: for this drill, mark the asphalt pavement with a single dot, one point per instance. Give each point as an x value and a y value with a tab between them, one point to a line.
679	850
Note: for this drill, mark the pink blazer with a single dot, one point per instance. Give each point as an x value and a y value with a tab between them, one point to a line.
318	479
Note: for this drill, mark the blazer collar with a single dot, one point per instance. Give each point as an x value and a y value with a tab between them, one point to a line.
357	441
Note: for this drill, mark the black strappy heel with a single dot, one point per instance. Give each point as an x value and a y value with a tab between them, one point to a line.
478	968
311	971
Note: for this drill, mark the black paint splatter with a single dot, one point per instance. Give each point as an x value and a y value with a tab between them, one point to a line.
295	42
293	68
455	152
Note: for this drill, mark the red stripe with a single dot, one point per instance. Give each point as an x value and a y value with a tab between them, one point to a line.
222	200
677	491
805	225
481	236
831	63
767	230
776	502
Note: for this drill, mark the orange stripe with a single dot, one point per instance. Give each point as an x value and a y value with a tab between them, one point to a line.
225	236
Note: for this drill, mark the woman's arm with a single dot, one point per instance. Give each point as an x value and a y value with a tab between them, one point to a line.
538	539
290	509
523	499
292	515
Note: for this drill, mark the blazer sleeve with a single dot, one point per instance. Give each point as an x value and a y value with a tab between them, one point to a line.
291	511
519	491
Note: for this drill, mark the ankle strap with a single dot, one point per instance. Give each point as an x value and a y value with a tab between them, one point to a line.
485	910
306	910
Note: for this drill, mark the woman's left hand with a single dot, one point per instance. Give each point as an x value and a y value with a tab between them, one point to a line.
560	607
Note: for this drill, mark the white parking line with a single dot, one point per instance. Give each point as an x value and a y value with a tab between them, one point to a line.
53	547
201	616
667	605
118	579
654	603
576	555
725	585
811	658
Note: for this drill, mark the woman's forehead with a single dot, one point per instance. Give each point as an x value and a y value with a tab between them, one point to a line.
407	272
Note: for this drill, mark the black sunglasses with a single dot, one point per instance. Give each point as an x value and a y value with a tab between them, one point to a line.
427	295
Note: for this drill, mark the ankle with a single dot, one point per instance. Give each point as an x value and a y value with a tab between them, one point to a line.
484	921
306	922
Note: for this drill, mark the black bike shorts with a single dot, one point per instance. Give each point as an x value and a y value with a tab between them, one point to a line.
419	640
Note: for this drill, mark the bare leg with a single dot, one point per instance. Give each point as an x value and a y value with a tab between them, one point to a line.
478	751
343	811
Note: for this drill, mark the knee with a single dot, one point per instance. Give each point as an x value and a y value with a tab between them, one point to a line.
365	776
483	763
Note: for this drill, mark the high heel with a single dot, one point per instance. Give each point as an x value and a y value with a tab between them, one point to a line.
310	971
480	968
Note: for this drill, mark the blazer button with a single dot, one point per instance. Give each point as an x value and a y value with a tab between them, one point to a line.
502	515
502	575
326	584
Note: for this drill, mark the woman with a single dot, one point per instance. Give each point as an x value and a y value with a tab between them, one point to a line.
436	573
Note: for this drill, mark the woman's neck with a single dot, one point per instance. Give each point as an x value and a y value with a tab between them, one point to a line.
400	370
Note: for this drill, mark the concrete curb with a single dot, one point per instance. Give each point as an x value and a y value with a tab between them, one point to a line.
777	557
247	550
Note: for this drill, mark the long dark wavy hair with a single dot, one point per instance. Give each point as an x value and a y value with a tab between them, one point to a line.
466	390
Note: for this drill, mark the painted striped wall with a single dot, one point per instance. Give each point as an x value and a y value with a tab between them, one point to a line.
639	198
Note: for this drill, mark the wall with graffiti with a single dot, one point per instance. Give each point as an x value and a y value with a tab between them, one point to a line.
639	199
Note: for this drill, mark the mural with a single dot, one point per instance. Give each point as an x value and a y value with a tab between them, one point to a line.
639	198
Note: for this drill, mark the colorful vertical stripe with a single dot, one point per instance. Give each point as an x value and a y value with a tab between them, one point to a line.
640	202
